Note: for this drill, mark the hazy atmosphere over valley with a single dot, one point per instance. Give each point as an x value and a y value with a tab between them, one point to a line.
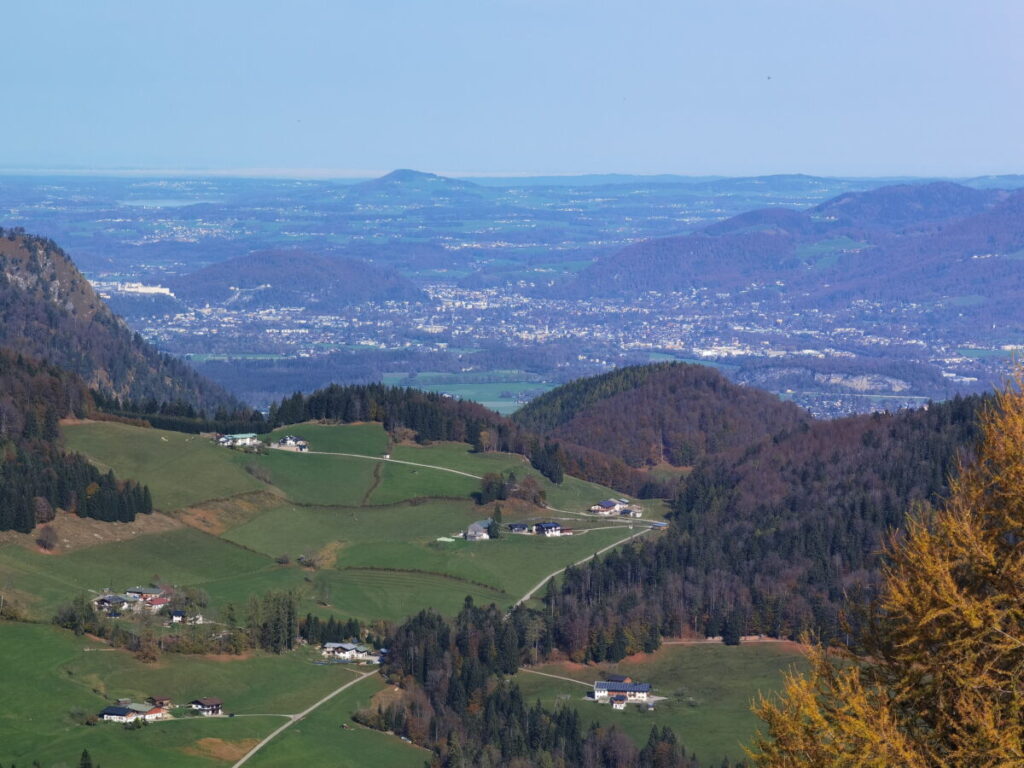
507	384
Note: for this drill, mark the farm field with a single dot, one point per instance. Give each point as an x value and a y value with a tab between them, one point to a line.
257	684
184	470
180	470
184	556
365	439
370	526
82	675
404	537
572	494
709	688
321	480
319	739
38	668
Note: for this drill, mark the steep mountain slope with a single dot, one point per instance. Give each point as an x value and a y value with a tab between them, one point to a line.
925	242
294	278
48	310
668	412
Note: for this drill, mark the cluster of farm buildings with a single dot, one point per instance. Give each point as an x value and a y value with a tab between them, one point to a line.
621	507
620	690
141	600
156	708
352	652
252	440
481	530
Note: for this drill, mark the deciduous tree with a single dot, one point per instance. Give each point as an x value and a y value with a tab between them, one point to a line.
939	681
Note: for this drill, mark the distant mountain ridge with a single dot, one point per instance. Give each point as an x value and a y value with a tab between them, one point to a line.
294	278
911	242
49	311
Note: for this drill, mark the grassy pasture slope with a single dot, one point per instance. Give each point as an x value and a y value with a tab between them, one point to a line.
260	684
325	480
39	694
573	494
368	439
319	739
179	469
184	556
722	681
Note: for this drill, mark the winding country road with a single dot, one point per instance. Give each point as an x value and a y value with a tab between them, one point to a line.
557	677
584	515
293	719
395	461
552	575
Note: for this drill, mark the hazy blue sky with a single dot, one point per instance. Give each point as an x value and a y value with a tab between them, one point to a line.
857	87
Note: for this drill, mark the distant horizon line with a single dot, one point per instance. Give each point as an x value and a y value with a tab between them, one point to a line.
340	174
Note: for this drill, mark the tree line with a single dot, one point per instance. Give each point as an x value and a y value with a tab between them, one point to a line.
36	476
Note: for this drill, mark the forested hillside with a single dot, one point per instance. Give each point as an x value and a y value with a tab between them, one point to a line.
36	477
667	412
768	539
49	311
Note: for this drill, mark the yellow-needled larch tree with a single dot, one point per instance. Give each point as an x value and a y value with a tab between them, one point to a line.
938	683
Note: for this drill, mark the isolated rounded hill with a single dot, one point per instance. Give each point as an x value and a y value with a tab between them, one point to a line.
673	413
294	278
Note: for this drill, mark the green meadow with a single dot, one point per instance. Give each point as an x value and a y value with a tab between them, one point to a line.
319	740
372	528
709	689
185	556
44	691
180	470
364	439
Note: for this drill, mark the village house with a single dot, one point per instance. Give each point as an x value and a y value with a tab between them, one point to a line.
161	701
109	604
154	604
207	706
619	701
604	689
633	510
147	712
478	531
118	714
144	593
610	506
547	529
618	678
349	652
238	441
519	528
